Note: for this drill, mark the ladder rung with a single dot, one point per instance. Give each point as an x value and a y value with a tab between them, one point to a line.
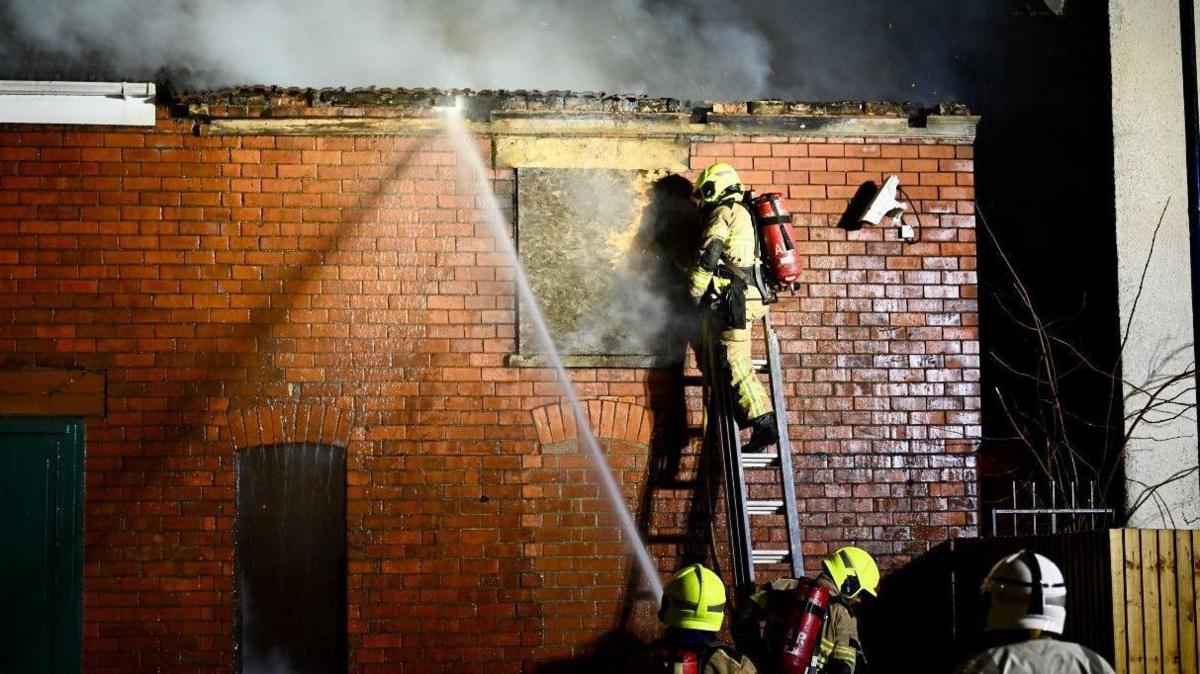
759	459
760	364
766	507
693	380
769	556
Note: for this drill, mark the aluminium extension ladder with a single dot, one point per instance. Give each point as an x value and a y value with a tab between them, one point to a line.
722	435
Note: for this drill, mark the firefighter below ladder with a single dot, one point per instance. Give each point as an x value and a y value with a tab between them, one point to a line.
811	626
693	609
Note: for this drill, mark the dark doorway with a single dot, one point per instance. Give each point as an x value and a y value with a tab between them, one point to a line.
290	573
41	569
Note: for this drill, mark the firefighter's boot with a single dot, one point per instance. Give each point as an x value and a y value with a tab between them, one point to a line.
763	433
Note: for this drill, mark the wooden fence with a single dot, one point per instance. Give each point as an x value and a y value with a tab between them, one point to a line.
1154	615
1131	597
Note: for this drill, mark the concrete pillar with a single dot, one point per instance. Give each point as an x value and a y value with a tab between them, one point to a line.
1156	322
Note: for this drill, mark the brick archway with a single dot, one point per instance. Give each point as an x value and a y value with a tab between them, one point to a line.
278	424
609	419
575	548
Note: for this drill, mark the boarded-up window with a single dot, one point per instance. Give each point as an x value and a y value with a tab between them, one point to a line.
290	546
607	253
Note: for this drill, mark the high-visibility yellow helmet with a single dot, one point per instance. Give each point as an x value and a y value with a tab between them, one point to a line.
717	183
853	570
694	598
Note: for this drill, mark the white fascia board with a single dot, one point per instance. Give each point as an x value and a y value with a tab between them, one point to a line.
103	103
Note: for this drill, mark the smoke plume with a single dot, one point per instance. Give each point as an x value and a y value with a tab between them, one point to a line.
700	49
616	45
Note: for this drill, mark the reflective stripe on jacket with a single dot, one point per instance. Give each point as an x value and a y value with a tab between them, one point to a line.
839	636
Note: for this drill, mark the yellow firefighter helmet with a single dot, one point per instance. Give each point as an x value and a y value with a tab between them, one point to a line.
717	183
853	570
694	598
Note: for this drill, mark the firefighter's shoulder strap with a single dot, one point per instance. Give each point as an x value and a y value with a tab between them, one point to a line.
720	659
835	598
755	277
771	592
757	234
729	267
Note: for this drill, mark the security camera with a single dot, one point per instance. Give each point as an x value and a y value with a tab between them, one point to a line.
885	205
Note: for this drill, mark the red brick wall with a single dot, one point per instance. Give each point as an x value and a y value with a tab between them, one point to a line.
227	283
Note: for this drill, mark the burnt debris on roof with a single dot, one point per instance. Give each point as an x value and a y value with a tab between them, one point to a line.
290	102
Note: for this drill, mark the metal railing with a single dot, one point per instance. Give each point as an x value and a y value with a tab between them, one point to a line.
1077	512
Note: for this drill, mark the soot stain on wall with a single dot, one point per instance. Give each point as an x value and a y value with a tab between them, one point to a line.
607	253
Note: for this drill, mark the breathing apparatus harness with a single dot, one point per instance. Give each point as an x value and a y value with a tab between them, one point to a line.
681	658
779	269
730	305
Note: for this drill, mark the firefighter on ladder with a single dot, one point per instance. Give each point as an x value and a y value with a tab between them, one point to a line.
693	609
848	573
722	280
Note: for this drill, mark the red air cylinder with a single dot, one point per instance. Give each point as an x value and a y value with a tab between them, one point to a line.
778	239
802	627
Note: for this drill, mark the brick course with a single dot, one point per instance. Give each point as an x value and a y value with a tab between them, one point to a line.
260	288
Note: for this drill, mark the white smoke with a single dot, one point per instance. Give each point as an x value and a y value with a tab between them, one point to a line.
628	239
697	48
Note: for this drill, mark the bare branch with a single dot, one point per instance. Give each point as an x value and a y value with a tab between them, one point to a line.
1024	438
1013	370
1151	490
1151	438
1147	408
1047	428
1142	280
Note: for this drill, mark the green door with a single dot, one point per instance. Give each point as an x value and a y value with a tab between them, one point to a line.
41	534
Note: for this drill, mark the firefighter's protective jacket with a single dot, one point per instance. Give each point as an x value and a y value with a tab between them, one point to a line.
713	657
1037	656
724	662
729	231
730	224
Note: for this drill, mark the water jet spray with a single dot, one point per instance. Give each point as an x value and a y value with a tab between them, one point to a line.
500	231
449	106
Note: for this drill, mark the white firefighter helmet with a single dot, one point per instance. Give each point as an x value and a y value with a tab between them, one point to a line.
1027	593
